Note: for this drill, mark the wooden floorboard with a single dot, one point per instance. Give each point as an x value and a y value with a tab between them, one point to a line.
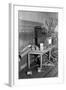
47	71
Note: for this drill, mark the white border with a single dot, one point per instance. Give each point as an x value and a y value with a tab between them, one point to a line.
14	70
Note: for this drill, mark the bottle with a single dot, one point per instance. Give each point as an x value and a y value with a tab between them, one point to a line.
41	46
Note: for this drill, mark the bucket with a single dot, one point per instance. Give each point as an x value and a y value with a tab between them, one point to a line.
49	40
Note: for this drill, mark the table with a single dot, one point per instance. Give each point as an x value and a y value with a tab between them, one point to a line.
41	53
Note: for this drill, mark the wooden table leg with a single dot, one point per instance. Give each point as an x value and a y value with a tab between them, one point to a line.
40	68
40	61
28	61
49	54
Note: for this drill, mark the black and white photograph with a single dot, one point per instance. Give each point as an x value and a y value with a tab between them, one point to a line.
33	44
37	44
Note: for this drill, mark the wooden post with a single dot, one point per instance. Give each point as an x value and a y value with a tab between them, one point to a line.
28	61
41	61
